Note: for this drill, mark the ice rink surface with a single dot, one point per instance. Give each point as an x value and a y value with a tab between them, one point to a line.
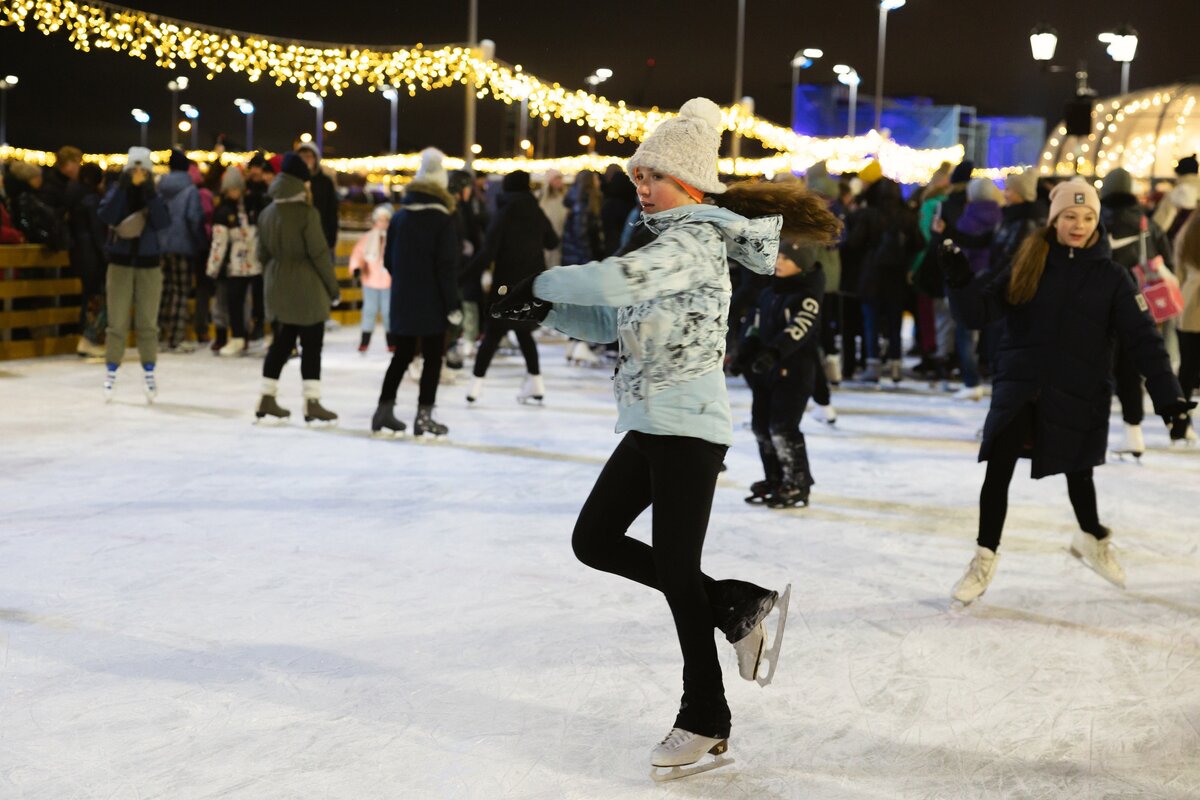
195	607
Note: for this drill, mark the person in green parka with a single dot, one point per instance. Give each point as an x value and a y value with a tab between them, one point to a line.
301	287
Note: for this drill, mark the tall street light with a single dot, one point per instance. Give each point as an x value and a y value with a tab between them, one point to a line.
143	119
193	114
317	103
247	109
884	7
802	60
848	76
735	148
469	113
393	97
7	83
176	86
1122	46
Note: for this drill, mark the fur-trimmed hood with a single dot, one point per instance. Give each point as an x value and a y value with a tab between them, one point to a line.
431	191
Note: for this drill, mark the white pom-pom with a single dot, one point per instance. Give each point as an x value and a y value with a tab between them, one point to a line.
431	159
703	109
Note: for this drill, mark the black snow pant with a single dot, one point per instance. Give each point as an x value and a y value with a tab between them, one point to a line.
1129	386
676	476
1189	362
432	348
496	330
820	391
1002	461
312	339
235	290
775	415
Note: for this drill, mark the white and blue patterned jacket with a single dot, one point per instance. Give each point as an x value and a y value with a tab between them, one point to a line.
668	306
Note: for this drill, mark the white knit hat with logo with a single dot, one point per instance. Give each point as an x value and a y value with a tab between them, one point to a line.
685	147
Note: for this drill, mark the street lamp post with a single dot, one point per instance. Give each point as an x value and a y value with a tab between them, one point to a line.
884	7
317	103
176	86
735	148
848	76
802	60
7	83
143	119
393	97
193	114
247	109
1122	46
469	115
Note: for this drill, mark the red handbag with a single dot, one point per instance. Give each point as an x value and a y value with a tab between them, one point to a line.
1156	283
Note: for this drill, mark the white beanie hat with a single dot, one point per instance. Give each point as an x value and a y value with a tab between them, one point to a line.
431	169
139	157
981	189
1184	196
685	147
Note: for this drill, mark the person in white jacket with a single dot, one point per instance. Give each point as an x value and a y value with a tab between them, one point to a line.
233	256
666	300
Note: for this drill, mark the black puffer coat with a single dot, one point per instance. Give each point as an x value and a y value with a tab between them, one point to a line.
787	319
516	242
1056	351
422	252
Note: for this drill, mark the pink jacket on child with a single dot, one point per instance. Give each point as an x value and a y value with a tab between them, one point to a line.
367	257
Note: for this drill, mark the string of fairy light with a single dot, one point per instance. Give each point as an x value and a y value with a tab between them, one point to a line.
326	69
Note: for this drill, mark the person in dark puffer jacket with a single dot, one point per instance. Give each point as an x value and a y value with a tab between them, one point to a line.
1063	303
516	242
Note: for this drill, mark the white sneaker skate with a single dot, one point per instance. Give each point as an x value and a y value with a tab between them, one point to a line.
826	414
1098	555
1135	443
533	390
581	354
972	393
974	583
476	390
683	753
234	347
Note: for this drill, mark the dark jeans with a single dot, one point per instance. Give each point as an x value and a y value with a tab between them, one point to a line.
677	475
1129	386
1189	362
259	313
235	300
496	330
993	498
206	290
850	328
883	318
406	350
312	338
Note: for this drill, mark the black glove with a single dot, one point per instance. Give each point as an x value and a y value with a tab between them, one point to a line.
747	350
1178	417
955	265
765	362
518	303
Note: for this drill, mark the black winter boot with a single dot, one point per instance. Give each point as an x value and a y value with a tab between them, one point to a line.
793	458
364	342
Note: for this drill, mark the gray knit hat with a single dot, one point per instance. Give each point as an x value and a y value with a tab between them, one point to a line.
1023	184
1117	181
232	178
685	147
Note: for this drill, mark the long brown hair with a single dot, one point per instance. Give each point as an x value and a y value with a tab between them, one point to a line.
806	216
1187	245
1028	265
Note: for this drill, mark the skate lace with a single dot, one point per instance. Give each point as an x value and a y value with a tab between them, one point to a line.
675	738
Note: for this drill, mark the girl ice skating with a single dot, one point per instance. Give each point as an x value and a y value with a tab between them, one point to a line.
667	304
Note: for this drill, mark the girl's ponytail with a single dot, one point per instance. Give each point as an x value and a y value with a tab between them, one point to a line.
805	215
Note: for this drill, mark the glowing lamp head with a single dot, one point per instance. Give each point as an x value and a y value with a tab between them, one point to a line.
1043	41
1122	43
139	116
390	94
891	5
9	80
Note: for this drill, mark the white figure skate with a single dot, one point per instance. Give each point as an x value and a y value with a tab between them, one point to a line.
684	753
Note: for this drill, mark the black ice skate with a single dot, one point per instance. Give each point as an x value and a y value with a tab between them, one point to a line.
384	423
788	495
760	491
425	423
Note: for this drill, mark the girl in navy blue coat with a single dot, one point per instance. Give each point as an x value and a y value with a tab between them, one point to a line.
1063	302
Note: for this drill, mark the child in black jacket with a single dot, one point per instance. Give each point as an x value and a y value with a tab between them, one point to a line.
779	357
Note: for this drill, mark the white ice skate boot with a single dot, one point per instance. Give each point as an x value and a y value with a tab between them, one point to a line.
1098	555
750	649
533	390
972	393
826	414
684	753
833	369
476	390
110	380
1188	440
415	367
974	583
234	347
581	354
1135	443
150	386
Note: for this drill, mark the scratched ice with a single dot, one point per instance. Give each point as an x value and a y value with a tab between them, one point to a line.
193	607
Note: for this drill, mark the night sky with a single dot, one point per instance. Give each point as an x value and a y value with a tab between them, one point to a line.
953	51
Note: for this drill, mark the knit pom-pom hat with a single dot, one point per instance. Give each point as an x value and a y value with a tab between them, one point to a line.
685	147
431	168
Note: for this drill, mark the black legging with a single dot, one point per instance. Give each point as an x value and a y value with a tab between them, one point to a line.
1129	386
677	475
496	330
235	302
406	349
993	497
1189	362
312	337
